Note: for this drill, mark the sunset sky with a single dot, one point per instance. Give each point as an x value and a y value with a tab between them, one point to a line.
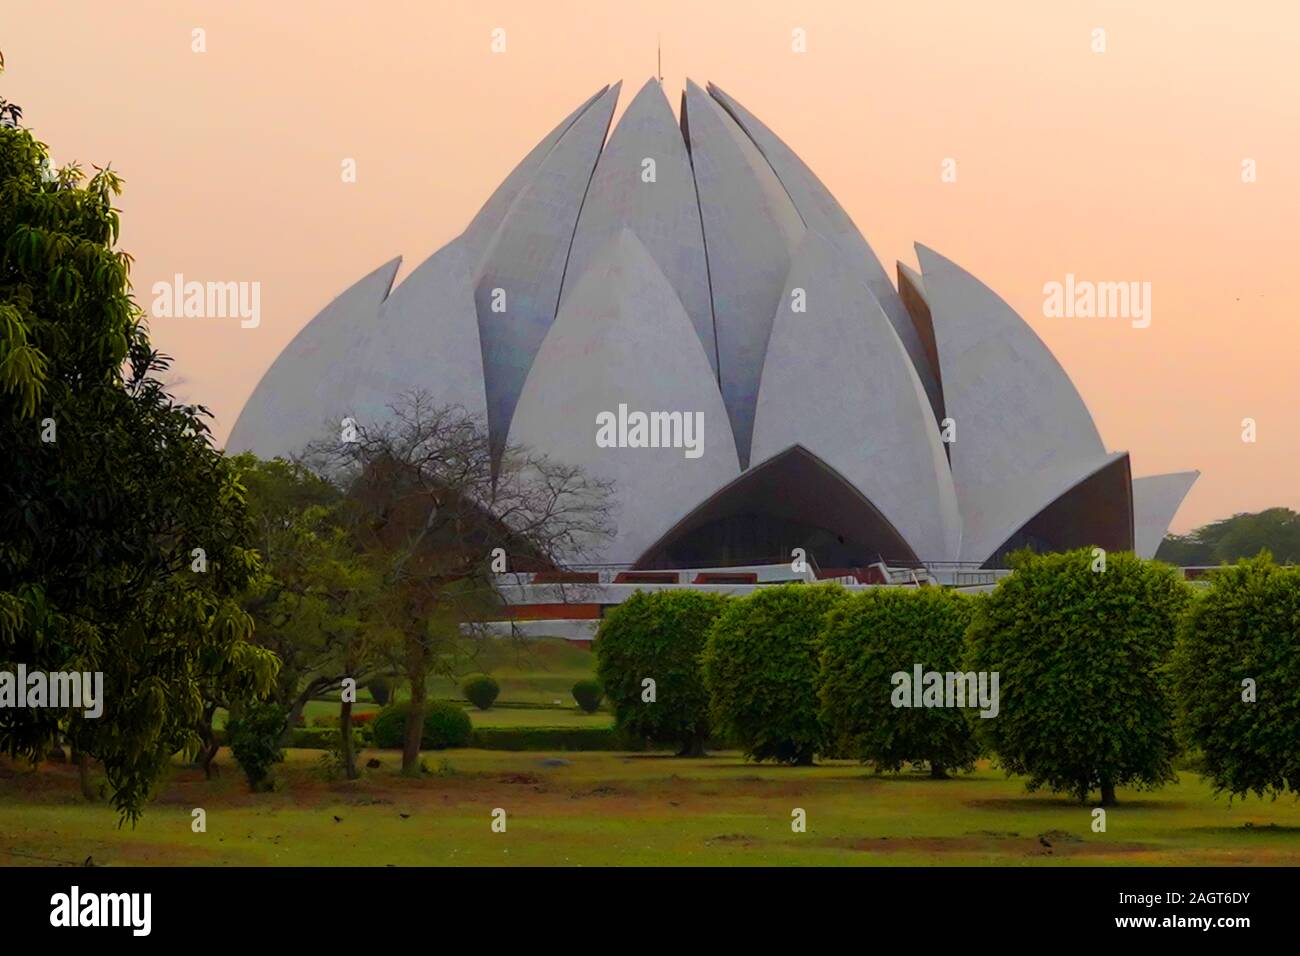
1117	166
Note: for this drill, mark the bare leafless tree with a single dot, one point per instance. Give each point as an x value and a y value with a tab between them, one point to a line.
431	504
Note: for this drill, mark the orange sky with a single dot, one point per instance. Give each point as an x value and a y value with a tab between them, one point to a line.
1117	166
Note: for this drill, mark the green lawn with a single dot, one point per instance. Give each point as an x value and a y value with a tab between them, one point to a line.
602	808
537	673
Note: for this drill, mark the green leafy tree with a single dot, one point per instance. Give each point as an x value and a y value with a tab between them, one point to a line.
872	636
1237	675
659	637
1081	654
762	669
1275	530
124	536
316	601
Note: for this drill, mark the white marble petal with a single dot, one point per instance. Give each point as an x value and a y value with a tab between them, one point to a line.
426	339
1018	417
619	340
526	261
309	388
750	232
823	213
874	425
1156	499
663	213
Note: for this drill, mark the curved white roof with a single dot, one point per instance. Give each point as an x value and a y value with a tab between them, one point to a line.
674	296
1017	414
308	389
874	426
526	260
751	230
477	237
428	322
991	519
1156	499
820	211
625	328
663	214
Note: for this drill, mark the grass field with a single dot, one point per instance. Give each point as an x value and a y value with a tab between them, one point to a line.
538	674
606	808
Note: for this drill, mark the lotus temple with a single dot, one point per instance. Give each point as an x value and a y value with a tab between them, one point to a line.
695	282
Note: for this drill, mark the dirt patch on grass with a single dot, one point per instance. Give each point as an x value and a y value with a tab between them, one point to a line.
1053	843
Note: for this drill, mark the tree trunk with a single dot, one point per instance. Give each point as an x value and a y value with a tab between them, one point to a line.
345	727
1107	793
694	747
83	775
209	747
317	686
938	771
414	718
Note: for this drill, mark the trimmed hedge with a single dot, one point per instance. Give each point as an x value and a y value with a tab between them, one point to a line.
868	639
480	690
1081	656
658	636
445	725
762	667
1245	627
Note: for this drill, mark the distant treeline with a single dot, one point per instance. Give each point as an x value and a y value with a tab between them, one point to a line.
1241	536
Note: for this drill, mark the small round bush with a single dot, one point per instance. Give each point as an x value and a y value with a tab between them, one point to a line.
871	639
381	689
762	668
1236	670
658	637
480	690
588	693
445	725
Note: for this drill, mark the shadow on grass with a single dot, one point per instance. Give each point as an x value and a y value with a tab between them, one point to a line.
1250	829
1057	802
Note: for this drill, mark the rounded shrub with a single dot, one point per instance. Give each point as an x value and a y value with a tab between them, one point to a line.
1081	652
588	694
1236	670
480	690
381	689
658	637
445	725
762	669
868	641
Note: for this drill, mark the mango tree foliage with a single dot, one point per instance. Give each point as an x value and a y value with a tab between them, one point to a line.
124	536
315	604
